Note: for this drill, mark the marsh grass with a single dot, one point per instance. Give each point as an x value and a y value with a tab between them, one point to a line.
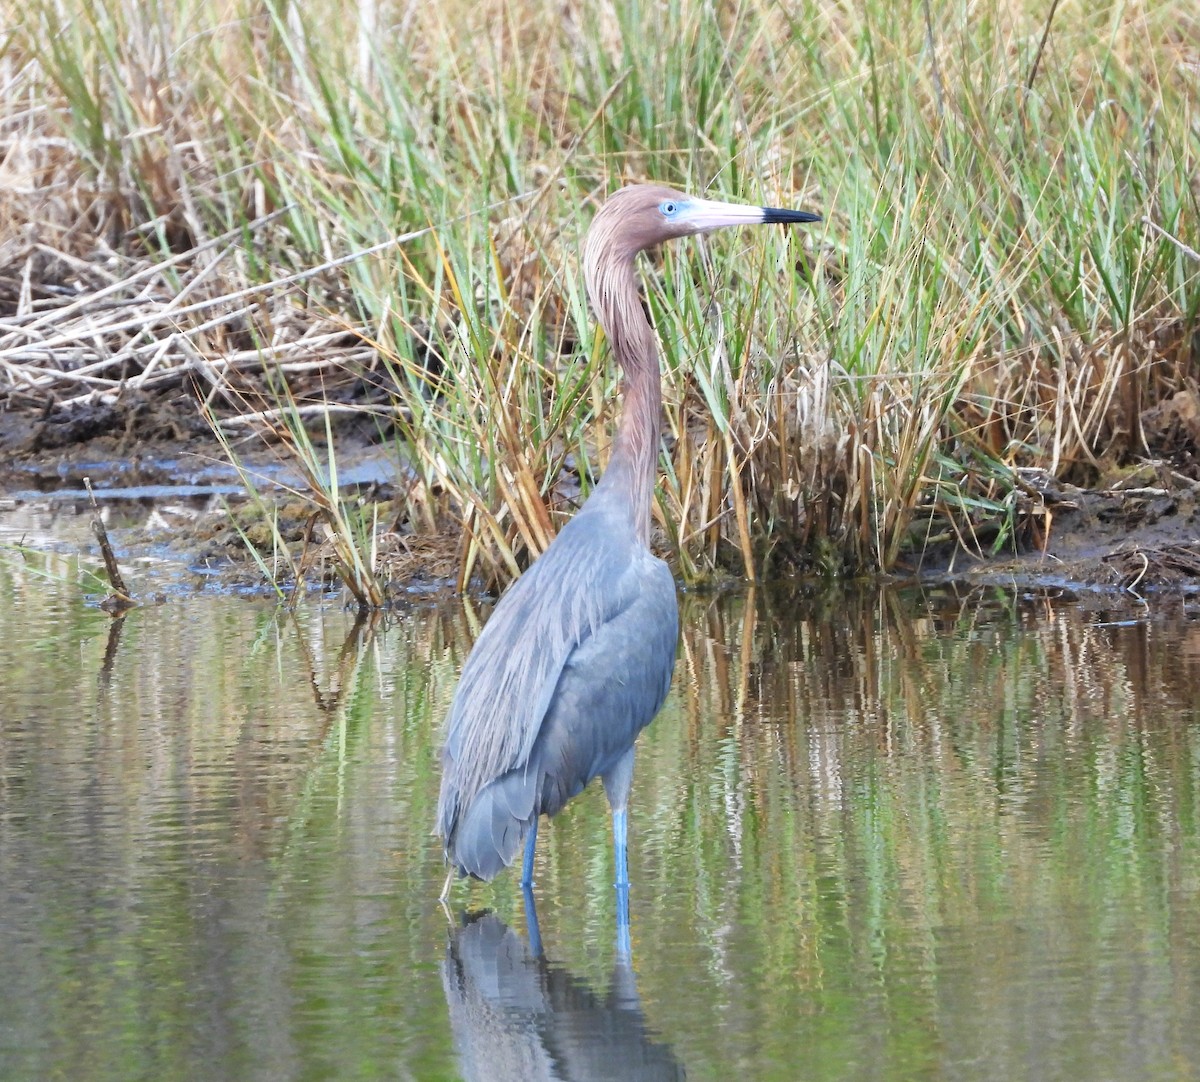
1006	275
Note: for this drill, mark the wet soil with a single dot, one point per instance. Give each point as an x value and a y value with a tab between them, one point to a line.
1138	539
177	508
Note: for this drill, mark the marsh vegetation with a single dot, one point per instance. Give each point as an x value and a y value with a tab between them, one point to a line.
306	223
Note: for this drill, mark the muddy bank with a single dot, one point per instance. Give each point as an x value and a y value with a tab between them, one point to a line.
1141	538
177	509
179	516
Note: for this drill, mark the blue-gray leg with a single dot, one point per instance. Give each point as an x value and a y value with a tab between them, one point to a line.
616	785
620	847
527	863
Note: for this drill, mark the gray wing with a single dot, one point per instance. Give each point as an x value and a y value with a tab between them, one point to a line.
610	687
595	622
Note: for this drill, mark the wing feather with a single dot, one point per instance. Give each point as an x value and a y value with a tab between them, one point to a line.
594	571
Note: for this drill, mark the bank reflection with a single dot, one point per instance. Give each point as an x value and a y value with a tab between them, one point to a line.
515	1014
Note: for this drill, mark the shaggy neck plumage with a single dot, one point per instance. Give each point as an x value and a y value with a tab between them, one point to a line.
633	465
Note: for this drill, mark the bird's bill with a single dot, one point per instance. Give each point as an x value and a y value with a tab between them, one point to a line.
704	214
774	214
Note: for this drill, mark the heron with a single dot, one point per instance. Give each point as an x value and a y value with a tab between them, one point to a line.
578	654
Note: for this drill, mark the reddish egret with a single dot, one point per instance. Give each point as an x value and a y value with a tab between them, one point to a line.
577	656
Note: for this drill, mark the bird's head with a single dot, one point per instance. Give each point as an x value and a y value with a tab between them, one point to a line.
642	215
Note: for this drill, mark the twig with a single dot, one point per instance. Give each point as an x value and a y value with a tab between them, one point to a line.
1037	59
1191	253
1132	587
1144	492
119	599
318	410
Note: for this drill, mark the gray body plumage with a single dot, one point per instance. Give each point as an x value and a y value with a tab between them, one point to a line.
575	661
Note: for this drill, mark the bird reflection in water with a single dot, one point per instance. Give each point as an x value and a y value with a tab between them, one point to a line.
516	1015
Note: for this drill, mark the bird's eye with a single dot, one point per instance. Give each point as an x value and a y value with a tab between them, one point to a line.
668	208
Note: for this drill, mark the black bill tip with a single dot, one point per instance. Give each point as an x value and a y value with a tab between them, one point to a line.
772	214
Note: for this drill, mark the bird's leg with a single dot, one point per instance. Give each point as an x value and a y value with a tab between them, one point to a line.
527	863
446	886
620	849
616	785
620	858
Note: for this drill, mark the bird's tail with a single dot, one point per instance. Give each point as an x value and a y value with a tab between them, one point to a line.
491	829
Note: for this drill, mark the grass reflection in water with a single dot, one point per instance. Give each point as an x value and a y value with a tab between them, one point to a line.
880	836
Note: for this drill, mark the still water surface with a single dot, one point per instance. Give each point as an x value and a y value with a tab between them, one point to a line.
899	836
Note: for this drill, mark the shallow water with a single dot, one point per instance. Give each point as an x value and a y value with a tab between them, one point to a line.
896	836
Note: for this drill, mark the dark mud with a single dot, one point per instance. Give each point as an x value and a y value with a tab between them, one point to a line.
178	512
1134	530
1139	539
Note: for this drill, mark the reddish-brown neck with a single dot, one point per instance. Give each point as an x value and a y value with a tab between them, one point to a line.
633	466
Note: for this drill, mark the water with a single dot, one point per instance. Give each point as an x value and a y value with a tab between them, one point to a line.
897	836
